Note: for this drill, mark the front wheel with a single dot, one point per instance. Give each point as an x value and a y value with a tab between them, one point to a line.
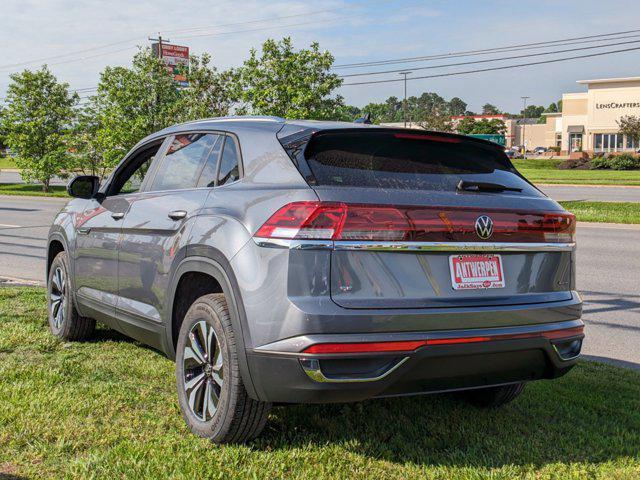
64	320
212	396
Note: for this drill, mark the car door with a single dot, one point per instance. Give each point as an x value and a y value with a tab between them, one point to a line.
155	230
98	234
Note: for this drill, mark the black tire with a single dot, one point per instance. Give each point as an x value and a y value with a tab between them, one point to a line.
493	397
64	320
220	408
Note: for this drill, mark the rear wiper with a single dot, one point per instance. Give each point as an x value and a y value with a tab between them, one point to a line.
468	186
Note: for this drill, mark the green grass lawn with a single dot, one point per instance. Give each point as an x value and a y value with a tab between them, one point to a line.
107	409
546	171
7	162
613	212
31	190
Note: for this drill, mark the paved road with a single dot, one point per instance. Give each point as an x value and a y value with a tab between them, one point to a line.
14	177
592	193
24	224
608	272
557	192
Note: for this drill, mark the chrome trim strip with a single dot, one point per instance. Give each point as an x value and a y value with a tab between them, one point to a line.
294	244
567	359
454	246
345	245
311	367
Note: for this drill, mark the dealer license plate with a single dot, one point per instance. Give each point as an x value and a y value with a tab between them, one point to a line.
472	272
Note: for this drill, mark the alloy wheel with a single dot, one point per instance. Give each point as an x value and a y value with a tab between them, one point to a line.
203	370
58	297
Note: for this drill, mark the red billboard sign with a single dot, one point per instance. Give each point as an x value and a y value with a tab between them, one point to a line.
176	58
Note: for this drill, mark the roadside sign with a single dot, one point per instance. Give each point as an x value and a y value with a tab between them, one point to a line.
176	58
499	139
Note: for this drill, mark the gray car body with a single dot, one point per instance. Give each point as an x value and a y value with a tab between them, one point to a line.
125	272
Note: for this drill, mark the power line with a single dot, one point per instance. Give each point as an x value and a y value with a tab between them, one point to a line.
490	52
513	57
480	51
306	14
130	40
505	67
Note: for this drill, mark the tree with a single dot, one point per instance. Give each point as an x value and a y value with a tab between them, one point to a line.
489	109
430	111
288	83
466	126
457	106
37	120
629	125
471	126
130	103
210	93
532	111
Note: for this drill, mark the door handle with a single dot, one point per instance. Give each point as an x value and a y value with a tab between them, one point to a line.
117	215
84	230
177	214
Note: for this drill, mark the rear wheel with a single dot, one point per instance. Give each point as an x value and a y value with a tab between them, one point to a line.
494	396
212	396
64	320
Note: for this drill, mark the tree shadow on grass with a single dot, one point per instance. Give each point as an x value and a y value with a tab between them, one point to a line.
591	415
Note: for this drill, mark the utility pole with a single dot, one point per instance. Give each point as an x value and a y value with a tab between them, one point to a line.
404	104
159	40
524	126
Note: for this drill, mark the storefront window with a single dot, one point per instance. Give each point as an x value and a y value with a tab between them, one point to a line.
598	142
631	144
610	142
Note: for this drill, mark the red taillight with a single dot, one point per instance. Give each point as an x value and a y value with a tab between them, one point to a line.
342	221
411	345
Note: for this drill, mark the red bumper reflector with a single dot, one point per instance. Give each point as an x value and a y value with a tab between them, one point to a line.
365	347
412	345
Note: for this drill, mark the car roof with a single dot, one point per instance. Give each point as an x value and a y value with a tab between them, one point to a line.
235	124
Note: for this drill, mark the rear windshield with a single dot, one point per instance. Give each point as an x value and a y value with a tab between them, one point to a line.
402	160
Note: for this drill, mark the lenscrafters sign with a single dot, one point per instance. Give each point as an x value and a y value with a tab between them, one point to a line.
612	105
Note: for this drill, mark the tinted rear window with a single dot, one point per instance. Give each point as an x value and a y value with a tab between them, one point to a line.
401	160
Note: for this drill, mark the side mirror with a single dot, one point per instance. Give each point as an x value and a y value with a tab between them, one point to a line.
83	186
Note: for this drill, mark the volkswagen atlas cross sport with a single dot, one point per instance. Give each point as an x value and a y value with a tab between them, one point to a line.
307	262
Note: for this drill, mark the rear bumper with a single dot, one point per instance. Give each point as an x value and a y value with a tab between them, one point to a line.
281	373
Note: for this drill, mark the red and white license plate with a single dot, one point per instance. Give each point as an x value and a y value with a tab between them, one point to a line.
470	272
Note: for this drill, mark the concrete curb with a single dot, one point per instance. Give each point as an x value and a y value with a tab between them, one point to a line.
19	282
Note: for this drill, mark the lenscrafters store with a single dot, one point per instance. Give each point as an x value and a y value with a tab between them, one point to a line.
588	119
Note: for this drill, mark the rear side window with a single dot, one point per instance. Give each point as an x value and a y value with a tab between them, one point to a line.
229	163
182	163
208	175
404	160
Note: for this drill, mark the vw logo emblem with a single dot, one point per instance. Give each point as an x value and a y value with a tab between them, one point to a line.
484	227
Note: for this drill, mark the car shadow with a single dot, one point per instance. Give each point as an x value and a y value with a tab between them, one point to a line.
573	419
105	334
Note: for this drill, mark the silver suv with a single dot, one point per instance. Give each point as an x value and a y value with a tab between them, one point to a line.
309	262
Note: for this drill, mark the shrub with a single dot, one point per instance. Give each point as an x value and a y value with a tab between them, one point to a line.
625	161
600	163
555	149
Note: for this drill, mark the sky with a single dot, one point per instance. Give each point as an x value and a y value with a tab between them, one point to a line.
78	39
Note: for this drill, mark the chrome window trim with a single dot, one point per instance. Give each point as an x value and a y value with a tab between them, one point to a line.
345	245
